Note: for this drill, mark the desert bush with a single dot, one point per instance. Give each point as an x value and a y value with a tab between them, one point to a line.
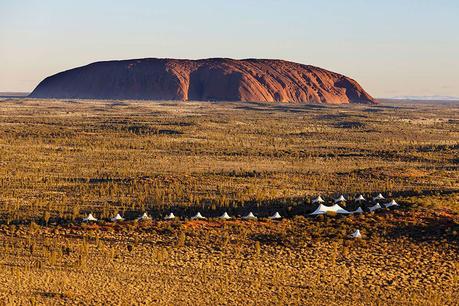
181	239
130	157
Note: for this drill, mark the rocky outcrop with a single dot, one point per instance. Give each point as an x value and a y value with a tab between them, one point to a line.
217	79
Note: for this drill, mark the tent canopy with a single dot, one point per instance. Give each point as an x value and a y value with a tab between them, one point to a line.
249	216
90	217
375	207
225	216
170	216
144	217
117	218
356	234
322	209
198	216
318	200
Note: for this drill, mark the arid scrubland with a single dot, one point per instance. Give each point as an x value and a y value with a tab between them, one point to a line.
60	160
67	158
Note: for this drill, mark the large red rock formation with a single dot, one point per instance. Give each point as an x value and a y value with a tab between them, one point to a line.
217	79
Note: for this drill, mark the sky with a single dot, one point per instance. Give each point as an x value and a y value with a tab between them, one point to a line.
392	47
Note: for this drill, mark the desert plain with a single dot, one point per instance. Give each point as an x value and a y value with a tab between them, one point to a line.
63	159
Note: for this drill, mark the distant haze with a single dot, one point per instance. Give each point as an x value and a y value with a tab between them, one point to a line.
392	48
427	98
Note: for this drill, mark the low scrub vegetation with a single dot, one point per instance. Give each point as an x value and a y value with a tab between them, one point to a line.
60	160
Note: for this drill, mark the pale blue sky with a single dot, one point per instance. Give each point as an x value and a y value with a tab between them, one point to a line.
392	47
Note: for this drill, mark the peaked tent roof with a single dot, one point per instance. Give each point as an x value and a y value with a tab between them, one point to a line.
117	218
340	199
144	217
392	203
359	210
356	234
225	216
250	216
322	209
318	200
379	197
375	207
90	217
170	216
198	216
360	198
276	216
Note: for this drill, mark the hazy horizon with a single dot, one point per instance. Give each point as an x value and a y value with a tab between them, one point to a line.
395	48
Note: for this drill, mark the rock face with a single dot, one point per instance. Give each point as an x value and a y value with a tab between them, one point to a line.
217	79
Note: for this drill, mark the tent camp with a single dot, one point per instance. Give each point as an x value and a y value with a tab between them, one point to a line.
322	209
318	200
170	216
225	216
340	199
89	218
144	217
198	216
374	207
250	216
357	211
378	197
356	234
360	198
117	218
275	216
391	203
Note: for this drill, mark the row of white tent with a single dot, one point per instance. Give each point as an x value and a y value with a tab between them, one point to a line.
322	209
341	198
225	216
171	216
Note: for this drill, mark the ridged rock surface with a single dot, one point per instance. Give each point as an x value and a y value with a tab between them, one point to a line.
217	79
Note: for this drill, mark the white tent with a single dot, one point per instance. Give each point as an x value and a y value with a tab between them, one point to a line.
322	209
170	216
90	217
198	216
275	216
357	211
225	216
250	216
391	203
144	217
318	200
360	198
378	197
117	218
356	234
375	207
340	199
